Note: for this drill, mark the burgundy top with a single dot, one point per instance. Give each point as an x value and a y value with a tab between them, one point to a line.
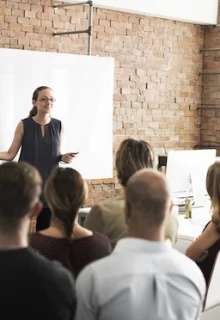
206	265
80	252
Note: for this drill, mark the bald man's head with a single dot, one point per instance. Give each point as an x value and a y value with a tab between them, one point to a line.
147	198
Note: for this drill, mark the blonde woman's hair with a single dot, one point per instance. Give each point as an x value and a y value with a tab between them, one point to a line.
213	189
133	155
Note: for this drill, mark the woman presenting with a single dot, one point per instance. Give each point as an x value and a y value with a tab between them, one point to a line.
40	139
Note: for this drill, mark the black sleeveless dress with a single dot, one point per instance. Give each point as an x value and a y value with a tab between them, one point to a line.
41	151
206	265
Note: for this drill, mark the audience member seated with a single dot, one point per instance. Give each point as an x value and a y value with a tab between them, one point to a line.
32	287
65	240
205	248
144	277
107	217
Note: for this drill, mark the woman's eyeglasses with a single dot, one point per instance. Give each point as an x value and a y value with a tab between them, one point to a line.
47	99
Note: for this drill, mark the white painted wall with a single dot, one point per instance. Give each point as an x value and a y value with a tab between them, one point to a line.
194	11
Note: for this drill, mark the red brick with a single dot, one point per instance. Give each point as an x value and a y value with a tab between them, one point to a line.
11	19
24	41
13	41
30	14
12	5
27	28
5	11
35	22
36	8
15	26
23	21
210	122
24	6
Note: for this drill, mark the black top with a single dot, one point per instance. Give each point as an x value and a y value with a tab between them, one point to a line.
80	252
38	150
35	288
206	265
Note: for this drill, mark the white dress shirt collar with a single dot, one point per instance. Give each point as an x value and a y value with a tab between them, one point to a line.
142	246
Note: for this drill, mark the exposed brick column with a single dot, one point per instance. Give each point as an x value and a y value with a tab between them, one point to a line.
210	126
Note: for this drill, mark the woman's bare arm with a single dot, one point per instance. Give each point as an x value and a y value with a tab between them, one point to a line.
202	244
16	144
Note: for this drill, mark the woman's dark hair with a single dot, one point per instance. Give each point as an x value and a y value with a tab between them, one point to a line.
133	155
65	193
36	92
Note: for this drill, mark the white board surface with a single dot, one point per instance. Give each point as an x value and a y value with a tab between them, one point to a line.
83	88
194	11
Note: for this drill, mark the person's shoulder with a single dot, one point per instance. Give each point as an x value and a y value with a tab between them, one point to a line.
56	123
98	239
52	271
215	223
186	267
172	220
25	123
109	206
28	119
55	120
97	269
36	239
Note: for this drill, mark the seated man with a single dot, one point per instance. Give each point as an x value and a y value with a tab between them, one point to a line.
32	287
144	277
107	217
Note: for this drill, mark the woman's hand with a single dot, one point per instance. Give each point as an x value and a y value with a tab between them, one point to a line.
68	157
203	256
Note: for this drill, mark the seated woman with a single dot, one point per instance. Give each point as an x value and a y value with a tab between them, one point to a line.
65	240
204	249
107	217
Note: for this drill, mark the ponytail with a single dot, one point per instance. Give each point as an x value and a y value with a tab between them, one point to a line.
65	193
33	112
67	219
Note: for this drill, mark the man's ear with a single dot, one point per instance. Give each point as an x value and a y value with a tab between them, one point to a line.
170	207
118	177
35	210
127	211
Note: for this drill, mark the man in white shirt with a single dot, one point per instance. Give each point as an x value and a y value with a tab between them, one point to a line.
144	278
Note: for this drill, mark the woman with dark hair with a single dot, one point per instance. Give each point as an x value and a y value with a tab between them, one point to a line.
40	139
65	240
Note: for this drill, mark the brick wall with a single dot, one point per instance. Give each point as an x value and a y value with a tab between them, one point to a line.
157	87
210	109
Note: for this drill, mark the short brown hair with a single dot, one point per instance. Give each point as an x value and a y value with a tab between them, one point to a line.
132	156
20	187
213	189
